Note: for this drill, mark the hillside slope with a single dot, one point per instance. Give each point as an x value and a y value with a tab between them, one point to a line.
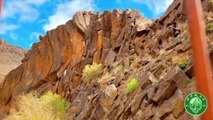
10	58
155	52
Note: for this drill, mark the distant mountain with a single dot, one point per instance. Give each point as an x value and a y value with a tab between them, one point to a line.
10	58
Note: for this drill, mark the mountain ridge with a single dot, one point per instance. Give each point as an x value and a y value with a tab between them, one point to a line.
11	57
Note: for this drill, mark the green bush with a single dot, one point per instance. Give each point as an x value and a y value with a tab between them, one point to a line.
210	27
59	105
132	85
92	71
32	107
182	64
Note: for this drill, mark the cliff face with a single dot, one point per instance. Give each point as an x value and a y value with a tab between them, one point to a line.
148	50
70	47
11	57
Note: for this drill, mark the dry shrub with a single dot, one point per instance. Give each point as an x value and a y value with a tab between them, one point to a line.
32	107
181	60
92	71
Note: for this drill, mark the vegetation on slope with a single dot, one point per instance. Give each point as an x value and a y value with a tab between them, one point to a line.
132	85
181	60
92	71
210	27
49	106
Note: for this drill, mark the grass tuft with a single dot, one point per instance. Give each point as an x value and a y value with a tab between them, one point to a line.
92	71
181	60
32	107
59	105
182	64
132	85
210	27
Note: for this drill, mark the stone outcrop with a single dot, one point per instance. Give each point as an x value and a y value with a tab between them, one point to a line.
85	39
149	50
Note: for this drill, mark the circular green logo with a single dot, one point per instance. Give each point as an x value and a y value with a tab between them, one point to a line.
195	104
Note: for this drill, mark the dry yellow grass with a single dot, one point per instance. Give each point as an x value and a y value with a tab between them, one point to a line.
181	60
92	71
183	26
31	107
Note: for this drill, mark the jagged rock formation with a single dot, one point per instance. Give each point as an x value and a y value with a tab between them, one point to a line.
10	58
149	50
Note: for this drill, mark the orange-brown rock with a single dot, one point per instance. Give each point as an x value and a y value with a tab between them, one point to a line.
62	49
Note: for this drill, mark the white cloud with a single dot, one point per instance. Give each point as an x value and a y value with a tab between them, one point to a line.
34	36
65	12
157	6
24	9
4	28
35	2
13	36
31	44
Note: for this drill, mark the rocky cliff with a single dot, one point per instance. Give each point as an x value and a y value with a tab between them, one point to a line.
156	52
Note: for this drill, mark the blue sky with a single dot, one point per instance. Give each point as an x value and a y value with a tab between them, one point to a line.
22	21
